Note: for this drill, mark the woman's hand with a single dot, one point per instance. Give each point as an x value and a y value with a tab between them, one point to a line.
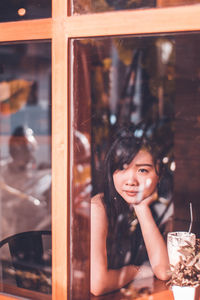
147	201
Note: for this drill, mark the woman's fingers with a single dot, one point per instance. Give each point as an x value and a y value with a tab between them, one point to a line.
148	200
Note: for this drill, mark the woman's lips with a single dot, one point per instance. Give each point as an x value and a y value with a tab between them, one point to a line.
131	193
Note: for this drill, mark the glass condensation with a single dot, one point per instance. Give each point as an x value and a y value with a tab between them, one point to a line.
16	10
25	168
152	83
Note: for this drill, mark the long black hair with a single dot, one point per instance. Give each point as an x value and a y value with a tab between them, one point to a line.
129	141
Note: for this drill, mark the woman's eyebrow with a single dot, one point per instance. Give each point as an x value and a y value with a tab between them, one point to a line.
144	165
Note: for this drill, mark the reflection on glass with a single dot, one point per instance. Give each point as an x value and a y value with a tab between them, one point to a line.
92	6
152	85
25	167
11	10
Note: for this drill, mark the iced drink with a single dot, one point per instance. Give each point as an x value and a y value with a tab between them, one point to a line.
175	240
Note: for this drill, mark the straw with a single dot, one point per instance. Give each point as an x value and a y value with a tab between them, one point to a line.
191	218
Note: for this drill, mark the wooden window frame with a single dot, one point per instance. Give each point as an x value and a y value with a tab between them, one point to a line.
59	30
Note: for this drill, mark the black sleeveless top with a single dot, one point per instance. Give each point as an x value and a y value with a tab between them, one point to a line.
125	244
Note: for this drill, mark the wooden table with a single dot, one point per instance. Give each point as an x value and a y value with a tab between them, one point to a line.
143	289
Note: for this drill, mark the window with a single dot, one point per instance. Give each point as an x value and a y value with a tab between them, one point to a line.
67	35
142	81
25	168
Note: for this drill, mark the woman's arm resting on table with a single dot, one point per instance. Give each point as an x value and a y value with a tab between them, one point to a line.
154	242
102	279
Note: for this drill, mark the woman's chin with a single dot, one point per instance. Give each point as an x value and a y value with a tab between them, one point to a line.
133	200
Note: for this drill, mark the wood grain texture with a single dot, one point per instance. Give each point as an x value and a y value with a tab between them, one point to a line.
170	19
21	292
60	130
175	19
26	30
164	3
4	297
165	295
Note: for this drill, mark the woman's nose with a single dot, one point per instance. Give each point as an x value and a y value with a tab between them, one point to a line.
131	178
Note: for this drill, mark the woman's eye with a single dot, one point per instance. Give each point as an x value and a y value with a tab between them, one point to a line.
143	171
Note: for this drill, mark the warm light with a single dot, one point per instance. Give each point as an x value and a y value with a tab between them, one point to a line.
21	12
165	160
173	166
113	119
36	202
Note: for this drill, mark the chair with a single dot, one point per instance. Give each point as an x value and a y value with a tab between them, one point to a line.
31	265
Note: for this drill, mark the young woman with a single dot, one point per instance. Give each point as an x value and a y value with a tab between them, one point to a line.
124	230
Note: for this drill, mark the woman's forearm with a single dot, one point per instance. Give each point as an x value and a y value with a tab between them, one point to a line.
109	280
154	242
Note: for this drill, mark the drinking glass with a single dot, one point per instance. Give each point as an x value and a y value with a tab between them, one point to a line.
176	240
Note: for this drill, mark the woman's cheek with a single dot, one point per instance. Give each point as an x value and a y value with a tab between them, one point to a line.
149	186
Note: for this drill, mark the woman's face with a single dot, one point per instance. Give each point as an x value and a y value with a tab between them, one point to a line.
137	180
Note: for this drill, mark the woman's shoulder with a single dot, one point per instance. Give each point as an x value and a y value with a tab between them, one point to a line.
99	220
97	204
97	199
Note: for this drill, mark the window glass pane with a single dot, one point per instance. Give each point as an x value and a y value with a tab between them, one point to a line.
16	10
137	90
92	6
25	168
